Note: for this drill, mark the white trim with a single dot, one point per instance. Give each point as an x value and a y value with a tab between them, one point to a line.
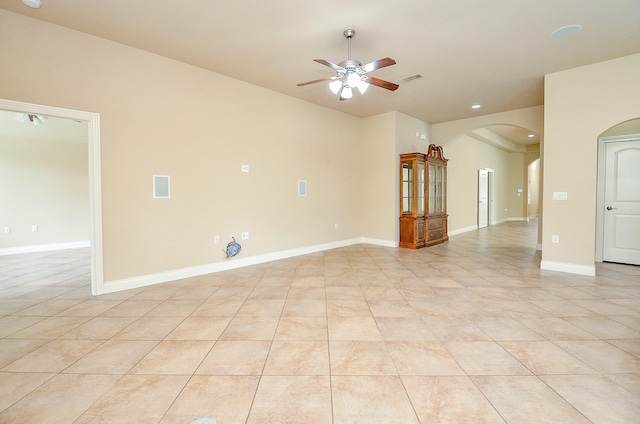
499	221
379	242
95	182
462	230
570	268
516	219
177	274
43	247
539	246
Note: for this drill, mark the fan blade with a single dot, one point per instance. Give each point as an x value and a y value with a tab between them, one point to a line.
315	81
387	61
382	83
329	64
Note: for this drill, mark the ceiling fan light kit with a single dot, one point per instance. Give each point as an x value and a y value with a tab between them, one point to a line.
352	74
28	117
34	4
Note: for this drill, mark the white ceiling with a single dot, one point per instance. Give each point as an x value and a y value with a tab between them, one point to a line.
493	52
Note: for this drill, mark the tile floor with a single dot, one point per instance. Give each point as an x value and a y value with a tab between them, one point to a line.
470	331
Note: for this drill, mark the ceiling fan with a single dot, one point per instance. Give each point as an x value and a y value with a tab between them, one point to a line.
353	74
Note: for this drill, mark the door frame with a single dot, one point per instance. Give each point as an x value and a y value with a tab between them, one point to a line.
600	200
95	182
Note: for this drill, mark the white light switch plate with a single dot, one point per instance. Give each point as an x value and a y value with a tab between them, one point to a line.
560	195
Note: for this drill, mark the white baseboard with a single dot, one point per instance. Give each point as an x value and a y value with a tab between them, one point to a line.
462	230
569	268
43	247
516	219
378	242
232	263
539	246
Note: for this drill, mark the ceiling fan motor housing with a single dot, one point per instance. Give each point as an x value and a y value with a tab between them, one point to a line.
350	64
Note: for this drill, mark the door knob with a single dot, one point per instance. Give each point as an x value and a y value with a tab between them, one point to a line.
609	208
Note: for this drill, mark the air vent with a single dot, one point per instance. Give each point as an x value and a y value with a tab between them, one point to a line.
412	77
302	188
161	187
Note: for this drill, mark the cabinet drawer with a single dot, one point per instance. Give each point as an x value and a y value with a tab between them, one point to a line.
435	234
436	223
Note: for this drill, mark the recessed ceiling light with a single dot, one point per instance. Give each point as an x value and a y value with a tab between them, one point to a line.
476	106
566	31
531	135
35	4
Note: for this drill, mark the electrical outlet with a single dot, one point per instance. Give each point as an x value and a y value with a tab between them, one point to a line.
335	226
216	239
245	168
34	228
245	236
7	230
555	238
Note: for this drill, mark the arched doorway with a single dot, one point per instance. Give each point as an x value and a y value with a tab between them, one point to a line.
618	196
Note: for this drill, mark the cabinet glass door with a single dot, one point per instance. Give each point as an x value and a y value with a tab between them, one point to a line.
420	191
407	188
443	190
432	188
439	189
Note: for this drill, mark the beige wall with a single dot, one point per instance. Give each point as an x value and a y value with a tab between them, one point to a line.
625	128
43	183
384	138
580	104
408	139
531	118
378	186
160	116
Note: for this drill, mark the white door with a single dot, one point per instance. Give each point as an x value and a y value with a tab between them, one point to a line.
483	198
621	236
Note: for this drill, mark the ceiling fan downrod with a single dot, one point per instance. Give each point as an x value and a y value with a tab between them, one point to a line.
349	33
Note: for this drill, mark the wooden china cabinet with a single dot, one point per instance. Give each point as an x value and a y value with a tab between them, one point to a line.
423	198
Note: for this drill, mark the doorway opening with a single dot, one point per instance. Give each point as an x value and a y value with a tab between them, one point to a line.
533	189
95	191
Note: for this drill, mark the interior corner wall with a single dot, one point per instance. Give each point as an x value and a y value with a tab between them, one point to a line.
160	116
377	184
384	138
580	104
409	138
43	183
